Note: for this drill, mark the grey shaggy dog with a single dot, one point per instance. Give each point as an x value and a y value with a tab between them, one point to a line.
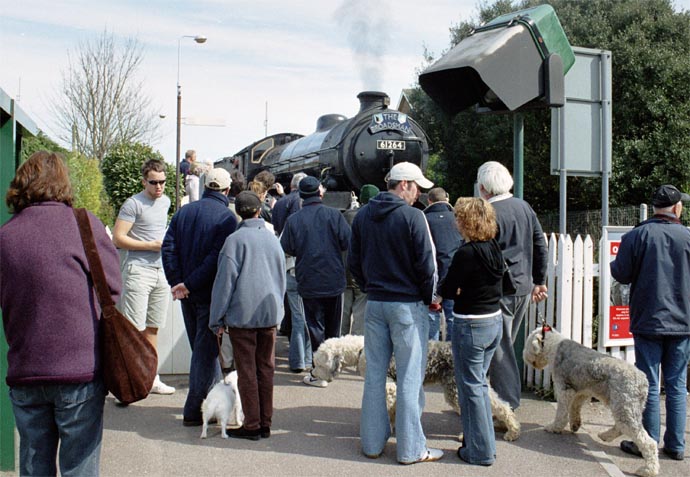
580	373
440	370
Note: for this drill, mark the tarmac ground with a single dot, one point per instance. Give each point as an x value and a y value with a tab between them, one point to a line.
316	432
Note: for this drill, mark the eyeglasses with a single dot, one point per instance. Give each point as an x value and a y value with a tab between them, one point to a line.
155	183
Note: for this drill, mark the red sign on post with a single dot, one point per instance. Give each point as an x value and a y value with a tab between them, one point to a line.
616	325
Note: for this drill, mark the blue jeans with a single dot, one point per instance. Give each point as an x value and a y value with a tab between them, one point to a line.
204	368
474	343
66	415
400	329
672	354
504	374
435	321
300	346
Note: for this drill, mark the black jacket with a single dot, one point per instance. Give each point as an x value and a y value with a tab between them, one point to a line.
477	270
522	242
316	236
193	241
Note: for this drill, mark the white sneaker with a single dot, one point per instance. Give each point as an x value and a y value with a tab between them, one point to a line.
310	380
159	387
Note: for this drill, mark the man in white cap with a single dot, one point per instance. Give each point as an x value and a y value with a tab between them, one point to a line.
190	250
392	259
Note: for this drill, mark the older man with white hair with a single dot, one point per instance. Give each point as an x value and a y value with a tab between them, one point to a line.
524	249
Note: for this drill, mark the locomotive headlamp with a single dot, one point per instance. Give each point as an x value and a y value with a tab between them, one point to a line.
516	61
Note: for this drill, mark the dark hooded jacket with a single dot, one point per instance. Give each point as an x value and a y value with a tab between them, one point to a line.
477	270
392	256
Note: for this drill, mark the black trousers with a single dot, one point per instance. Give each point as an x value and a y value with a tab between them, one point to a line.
323	317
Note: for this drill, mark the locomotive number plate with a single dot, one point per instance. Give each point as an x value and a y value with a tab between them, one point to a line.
388	144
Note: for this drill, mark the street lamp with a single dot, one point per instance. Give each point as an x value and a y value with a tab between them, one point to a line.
198	39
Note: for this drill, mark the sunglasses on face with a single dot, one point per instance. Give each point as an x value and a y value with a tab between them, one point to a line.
155	183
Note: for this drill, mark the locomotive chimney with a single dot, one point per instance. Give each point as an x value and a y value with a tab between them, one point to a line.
372	99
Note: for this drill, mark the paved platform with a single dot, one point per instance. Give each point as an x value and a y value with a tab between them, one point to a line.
316	432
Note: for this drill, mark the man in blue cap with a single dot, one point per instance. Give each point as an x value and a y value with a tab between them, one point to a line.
316	236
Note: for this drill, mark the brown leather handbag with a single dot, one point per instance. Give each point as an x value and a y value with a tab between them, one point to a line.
128	361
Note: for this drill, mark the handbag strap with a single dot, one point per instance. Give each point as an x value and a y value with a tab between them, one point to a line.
95	265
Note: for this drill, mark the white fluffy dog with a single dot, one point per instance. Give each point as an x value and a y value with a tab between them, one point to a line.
223	402
580	373
336	353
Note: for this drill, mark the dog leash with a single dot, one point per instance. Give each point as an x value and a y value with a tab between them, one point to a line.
544	327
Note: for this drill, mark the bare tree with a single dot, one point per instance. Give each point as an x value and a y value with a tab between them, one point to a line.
101	103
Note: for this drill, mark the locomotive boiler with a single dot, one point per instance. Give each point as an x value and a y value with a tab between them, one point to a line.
343	153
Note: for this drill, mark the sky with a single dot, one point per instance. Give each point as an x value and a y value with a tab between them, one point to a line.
289	61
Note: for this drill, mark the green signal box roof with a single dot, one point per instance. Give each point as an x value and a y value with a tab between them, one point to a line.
545	29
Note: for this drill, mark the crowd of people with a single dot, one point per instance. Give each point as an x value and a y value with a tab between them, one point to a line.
238	258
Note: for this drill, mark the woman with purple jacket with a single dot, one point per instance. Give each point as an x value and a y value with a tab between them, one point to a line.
50	316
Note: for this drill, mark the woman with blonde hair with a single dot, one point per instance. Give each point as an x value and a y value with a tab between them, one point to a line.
260	189
474	281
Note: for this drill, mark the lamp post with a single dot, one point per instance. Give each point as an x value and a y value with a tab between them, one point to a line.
198	39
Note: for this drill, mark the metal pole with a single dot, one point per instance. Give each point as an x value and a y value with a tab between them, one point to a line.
518	146
179	126
605	135
563	193
177	148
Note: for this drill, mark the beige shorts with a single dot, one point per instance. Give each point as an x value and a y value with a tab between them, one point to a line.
145	296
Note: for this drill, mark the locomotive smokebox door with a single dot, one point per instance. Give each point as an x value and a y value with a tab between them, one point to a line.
515	62
388	139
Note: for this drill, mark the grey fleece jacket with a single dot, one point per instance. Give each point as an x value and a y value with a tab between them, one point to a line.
250	281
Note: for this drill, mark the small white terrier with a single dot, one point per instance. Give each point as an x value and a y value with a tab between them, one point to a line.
223	402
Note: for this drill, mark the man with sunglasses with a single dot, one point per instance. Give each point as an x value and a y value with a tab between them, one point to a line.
139	231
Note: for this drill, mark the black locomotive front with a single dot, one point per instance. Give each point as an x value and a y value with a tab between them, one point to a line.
346	153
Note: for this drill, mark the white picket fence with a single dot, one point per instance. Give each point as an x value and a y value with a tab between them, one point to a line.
570	307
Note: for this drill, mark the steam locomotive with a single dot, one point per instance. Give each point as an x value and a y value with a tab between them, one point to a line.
344	154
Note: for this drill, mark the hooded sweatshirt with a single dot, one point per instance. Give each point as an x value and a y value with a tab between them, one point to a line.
477	271
392	256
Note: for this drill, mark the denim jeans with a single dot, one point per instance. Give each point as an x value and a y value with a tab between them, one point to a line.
300	346
204	368
474	343
672	354
68	416
400	329
504	374
435	321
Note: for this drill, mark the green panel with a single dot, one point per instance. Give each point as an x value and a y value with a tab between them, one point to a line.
546	21
8	165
